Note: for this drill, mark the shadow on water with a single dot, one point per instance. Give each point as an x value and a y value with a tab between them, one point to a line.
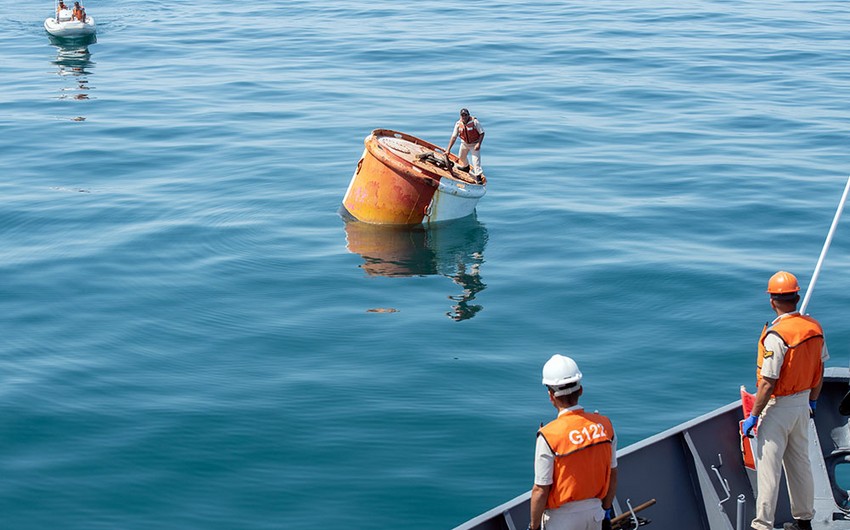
80	41
454	249
73	60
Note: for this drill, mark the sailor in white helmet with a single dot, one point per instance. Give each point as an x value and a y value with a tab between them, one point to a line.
575	461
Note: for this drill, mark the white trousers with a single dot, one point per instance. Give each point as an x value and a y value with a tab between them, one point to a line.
474	158
783	441
580	515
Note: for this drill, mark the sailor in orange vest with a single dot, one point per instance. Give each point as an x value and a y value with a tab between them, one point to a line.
79	12
471	134
789	375
575	460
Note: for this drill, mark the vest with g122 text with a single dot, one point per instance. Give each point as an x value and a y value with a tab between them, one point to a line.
582	444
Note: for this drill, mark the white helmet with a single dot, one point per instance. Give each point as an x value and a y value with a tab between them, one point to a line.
561	371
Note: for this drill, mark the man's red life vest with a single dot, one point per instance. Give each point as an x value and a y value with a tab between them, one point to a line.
468	132
802	367
582	444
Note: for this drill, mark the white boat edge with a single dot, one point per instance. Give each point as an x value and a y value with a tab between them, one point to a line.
70	28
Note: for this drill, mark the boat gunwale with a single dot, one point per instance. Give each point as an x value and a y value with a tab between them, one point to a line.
834	374
70	28
668	433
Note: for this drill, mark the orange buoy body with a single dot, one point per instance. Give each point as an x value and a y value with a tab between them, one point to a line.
402	180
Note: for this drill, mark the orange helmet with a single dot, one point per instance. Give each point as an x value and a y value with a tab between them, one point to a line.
782	283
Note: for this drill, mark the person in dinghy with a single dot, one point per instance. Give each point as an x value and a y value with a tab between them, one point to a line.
79	12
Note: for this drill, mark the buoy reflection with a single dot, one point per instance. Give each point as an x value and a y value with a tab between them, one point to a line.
453	249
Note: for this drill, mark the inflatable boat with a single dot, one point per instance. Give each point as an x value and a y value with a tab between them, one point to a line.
64	26
402	180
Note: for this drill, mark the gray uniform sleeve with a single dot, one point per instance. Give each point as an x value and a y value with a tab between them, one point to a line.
544	463
774	356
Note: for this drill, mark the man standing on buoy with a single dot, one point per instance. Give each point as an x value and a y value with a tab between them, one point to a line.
575	461
791	357
471	135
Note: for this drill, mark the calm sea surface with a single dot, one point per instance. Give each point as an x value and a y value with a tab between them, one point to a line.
192	337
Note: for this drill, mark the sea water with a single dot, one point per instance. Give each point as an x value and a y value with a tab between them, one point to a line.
193	337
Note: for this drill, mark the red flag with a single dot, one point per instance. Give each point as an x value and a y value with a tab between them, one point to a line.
747	402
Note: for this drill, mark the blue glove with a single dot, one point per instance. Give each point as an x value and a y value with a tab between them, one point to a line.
749	424
606	523
812	406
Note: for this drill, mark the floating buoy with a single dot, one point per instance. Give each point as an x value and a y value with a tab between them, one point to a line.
403	180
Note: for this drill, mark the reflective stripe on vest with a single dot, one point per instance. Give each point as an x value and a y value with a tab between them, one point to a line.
581	442
802	367
468	132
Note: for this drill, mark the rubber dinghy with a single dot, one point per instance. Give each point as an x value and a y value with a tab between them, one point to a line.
402	180
65	26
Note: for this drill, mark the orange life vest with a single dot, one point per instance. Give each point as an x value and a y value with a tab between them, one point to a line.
79	14
468	132
582	444
802	367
